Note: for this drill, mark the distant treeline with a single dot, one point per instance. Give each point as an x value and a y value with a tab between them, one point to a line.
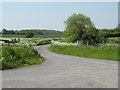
110	32
36	32
102	32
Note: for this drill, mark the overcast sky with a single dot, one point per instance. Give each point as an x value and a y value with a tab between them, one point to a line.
51	15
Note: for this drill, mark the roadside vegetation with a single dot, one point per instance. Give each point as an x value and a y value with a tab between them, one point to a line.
22	53
96	52
84	40
19	50
19	56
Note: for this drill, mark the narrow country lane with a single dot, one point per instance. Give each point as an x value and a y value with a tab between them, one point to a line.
62	71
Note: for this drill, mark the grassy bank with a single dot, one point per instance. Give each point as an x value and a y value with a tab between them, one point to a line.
105	53
19	56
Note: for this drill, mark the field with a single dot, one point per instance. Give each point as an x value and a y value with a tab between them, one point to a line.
36	36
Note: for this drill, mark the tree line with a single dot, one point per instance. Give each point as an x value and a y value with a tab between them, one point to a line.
104	32
34	31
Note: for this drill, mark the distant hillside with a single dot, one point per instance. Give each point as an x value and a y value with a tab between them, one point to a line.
35	31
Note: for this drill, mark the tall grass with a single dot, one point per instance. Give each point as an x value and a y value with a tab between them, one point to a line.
19	56
105	53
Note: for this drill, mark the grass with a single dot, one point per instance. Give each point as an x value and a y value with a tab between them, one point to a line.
114	38
36	36
19	56
105	53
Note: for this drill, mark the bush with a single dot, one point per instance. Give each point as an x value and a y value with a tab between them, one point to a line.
44	42
19	56
29	35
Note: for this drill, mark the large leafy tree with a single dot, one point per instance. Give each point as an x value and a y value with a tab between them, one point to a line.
4	31
79	28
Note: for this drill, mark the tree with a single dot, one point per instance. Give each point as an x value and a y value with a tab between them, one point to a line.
4	31
29	35
90	36
79	28
11	32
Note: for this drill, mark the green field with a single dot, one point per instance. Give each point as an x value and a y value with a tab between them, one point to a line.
36	36
104	53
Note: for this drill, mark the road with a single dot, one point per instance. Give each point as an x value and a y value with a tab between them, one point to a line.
62	71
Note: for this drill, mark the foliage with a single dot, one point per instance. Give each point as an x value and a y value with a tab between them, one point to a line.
29	35
44	42
35	36
35	31
30	41
109	32
113	39
63	43
79	28
34	41
104	53
22	53
90	36
19	56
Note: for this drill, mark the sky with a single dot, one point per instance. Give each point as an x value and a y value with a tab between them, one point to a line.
51	15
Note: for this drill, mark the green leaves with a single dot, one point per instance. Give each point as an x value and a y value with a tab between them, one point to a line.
79	27
29	35
18	56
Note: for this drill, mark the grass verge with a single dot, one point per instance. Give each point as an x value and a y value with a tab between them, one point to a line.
19	56
104	53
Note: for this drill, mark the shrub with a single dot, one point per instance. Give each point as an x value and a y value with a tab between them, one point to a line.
19	56
44	42
29	35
